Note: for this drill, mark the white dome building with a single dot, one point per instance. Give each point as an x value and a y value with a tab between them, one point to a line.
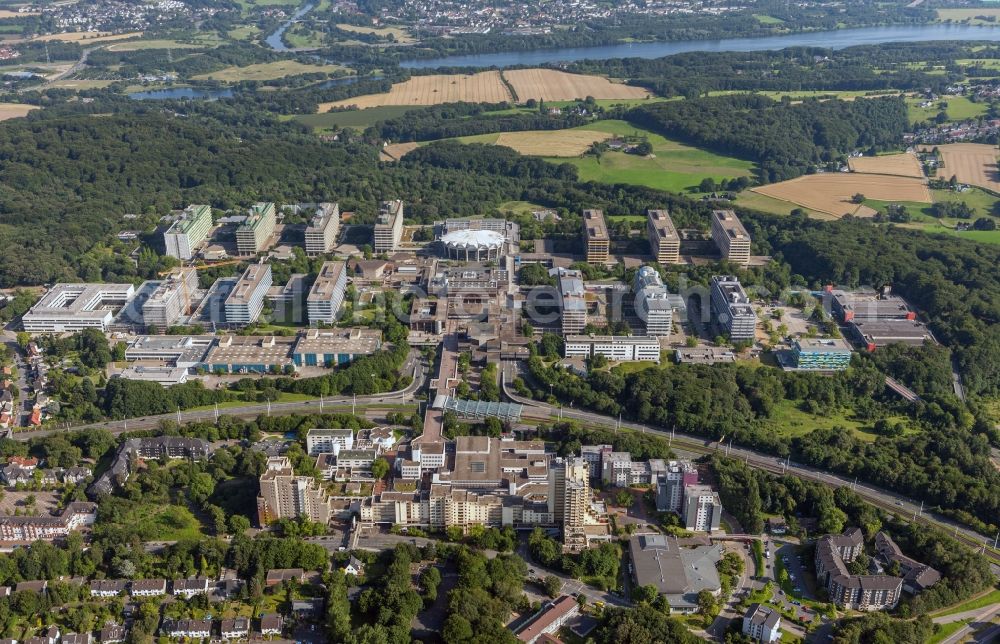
473	245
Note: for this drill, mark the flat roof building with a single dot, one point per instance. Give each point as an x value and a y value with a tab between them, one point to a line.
74	307
327	293
186	233
334	347
653	303
868	306
821	354
702	508
731	237
245	302
389	226
171	299
321	233
255	231
595	236
879	333
176	351
679	573
164	376
663	239
613	347
250	354
572	300
731	308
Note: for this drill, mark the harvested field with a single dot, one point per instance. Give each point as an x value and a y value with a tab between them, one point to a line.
903	165
137	45
88	36
972	163
554	85
397	151
556	143
484	87
265	71
14	110
7	13
831	193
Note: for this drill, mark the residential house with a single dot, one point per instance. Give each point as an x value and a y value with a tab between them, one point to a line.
235	628
149	587
762	623
354	567
271	624
188	588
276	576
107	587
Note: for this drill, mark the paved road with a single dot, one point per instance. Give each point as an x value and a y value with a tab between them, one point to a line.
877	496
414	366
980	621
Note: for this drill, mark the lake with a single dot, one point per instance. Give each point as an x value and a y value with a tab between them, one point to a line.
836	39
180	93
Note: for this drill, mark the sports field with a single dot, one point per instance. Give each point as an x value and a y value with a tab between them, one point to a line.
903	165
672	166
15	110
972	163
554	85
831	192
265	71
484	87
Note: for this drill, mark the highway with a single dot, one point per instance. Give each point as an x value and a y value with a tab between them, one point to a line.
369	404
884	499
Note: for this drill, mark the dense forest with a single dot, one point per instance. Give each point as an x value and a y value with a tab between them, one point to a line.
785	139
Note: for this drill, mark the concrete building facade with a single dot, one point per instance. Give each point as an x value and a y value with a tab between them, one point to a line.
321	233
389	226
245	302
596	237
731	309
186	233
327	293
731	237
613	347
663	238
253	234
702	508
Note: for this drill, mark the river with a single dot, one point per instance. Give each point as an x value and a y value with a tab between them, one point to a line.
274	41
835	39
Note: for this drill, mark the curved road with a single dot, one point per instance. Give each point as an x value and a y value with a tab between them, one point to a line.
876	496
253	410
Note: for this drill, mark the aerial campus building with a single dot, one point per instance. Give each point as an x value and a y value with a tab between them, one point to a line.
572	300
702	510
595	236
74	307
184	235
389	226
245	302
731	308
327	293
653	303
321	233
678	572
876	319
473	245
827	354
663	238
171	299
613	347
731	237
253	234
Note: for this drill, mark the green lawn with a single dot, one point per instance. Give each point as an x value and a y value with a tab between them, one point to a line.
944	631
519	207
959	108
768	20
763	203
788	420
980	201
979	602
673	166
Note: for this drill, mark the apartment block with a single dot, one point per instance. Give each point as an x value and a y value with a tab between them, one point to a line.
328	441
853	592
184	235
327	293
171	299
321	233
613	347
731	309
389	226
595	236
671	483
253	234
245	302
702	508
731	237
762	623
285	495
653	303
663	238
74	307
46	528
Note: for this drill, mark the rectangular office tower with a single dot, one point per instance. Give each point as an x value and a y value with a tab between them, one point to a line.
171	299
731	237
595	236
663	238
702	508
327	293
244	304
186	233
252	234
321	234
653	304
389	226
731	308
